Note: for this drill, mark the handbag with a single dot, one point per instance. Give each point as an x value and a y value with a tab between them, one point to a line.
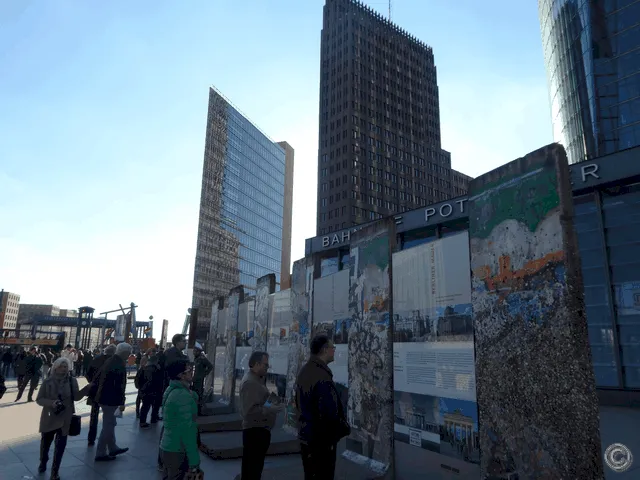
197	475
75	426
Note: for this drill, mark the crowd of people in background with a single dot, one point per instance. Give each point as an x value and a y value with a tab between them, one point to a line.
168	381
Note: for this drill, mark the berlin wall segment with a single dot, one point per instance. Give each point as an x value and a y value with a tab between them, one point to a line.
538	410
301	301
370	343
212	342
236	296
265	286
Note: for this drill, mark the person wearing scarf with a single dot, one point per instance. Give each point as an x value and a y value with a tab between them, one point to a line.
56	397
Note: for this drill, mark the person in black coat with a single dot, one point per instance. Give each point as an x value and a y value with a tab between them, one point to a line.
32	374
322	422
91	375
112	385
151	385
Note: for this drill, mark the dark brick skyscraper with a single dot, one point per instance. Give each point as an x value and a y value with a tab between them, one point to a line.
379	152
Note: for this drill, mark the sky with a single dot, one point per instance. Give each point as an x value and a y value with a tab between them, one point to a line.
103	110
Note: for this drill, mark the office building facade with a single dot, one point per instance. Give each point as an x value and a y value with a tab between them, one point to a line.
244	229
592	56
29	310
379	147
9	307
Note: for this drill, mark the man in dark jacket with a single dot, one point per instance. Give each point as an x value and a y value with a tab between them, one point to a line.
86	361
322	422
33	371
19	365
112	385
91	375
150	387
202	368
7	358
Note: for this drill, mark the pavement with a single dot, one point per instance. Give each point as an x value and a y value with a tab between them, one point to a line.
20	446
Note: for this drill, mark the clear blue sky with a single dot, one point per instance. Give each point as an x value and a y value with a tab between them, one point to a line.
103	112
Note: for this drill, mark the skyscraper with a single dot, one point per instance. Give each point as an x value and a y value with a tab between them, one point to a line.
244	229
379	151
592	56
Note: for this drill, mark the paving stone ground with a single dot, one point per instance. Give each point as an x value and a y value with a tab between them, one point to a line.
20	443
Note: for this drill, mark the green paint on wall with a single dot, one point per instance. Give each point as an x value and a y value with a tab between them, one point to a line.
375	251
527	200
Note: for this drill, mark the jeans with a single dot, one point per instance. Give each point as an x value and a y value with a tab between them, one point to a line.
33	381
107	440
175	465
319	461
5	369
46	440
45	371
255	443
149	402
93	422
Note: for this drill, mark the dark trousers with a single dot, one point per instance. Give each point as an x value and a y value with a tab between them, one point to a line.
33	381
198	387
149	402
5	369
138	402
319	461
93	422
255	443
175	465
45	445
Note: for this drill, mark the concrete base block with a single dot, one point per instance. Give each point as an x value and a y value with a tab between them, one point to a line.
231	422
216	408
228	445
345	470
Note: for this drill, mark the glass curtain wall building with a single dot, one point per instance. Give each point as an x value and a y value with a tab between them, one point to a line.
245	207
592	55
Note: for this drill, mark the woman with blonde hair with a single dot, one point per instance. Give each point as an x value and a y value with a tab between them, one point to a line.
56	397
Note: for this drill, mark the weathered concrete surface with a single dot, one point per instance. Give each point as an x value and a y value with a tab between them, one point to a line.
227	445
236	297
535	385
212	343
265	286
370	404
215	407
345	470
220	423
301	294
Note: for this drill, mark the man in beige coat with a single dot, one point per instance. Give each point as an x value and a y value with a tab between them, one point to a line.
259	410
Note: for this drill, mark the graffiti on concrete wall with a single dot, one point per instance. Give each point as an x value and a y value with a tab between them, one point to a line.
212	343
265	286
301	291
370	359
228	385
532	359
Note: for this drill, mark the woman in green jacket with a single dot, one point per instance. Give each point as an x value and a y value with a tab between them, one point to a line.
179	443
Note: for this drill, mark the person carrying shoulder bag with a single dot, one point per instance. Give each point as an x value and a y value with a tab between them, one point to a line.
56	397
